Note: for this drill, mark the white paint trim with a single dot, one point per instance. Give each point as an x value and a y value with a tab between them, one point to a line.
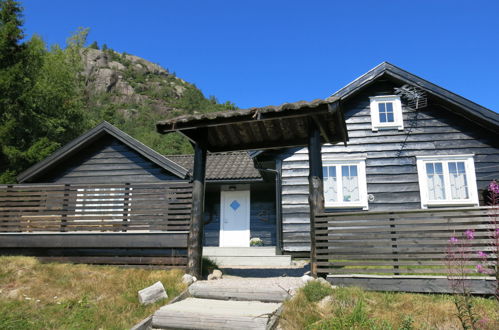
445	159
398	121
362	181
225	197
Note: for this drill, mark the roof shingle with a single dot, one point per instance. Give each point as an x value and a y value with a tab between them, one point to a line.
222	166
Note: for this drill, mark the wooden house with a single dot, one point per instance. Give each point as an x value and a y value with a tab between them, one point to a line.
412	145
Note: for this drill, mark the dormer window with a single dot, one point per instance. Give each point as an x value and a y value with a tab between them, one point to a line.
386	112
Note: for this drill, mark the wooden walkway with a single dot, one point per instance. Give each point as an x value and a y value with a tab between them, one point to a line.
228	304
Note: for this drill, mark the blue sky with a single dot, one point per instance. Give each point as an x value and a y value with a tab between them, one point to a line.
258	53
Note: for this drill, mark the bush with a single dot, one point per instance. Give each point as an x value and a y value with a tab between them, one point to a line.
208	266
315	291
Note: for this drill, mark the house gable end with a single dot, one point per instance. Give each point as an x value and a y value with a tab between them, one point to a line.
85	142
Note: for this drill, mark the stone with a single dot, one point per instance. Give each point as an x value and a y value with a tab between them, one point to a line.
215	275
323	281
325	302
307	278
152	294
188	279
13	294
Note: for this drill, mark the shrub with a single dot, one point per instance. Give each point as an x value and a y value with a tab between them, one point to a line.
315	291
208	266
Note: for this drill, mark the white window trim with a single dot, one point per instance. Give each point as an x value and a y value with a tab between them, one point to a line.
397	113
361	173
470	176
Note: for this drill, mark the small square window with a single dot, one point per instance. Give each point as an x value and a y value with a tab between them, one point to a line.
386	113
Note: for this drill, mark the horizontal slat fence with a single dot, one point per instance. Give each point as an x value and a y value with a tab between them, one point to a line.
144	223
95	207
404	242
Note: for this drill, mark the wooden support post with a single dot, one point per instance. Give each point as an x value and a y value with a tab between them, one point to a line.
316	187
195	243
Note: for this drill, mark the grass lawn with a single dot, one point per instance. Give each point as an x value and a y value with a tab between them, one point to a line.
34	295
354	308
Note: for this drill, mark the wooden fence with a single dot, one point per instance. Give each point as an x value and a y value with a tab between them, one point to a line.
402	243
97	223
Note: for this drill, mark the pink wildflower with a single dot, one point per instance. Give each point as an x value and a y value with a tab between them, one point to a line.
482	254
469	234
453	240
494	187
479	268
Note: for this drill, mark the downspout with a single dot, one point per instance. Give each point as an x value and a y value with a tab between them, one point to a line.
278	207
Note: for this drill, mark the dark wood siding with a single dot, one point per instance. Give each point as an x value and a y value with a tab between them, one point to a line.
390	163
262	214
107	160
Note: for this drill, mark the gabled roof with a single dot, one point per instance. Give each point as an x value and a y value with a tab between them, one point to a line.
92	135
463	106
223	166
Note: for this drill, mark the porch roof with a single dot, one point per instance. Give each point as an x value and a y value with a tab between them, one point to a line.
286	125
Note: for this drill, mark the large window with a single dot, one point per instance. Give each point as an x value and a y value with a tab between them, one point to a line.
345	183
447	180
386	112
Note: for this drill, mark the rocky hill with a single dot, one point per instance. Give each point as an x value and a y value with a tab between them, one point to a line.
133	93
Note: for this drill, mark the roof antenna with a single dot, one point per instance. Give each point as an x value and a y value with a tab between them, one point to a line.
416	97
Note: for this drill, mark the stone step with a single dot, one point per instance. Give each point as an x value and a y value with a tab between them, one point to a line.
195	313
241	290
215	251
258	261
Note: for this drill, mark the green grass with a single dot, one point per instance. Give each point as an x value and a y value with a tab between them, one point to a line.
65	296
354	308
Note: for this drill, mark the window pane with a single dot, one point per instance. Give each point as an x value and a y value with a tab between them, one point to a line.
389	107
390	118
381	107
382	118
350	180
324	172
330	185
435	176
458	181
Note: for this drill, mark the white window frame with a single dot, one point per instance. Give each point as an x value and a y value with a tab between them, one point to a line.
398	122
469	165
362	181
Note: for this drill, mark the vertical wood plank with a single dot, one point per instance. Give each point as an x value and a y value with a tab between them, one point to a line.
195	243
316	187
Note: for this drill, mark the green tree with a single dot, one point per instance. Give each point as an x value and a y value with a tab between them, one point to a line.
41	95
94	45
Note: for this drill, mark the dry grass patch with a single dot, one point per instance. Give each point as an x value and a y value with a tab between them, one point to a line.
66	296
354	308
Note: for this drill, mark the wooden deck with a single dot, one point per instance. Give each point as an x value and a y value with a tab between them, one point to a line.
133	224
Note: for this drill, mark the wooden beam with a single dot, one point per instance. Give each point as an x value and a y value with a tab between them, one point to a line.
316	187
195	243
165	127
341	126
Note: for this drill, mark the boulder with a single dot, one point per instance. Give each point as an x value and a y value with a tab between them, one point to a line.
306	278
216	275
188	279
325	302
152	294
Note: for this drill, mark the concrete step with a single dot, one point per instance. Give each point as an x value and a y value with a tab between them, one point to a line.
241	290
195	313
246	256
215	251
270	261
